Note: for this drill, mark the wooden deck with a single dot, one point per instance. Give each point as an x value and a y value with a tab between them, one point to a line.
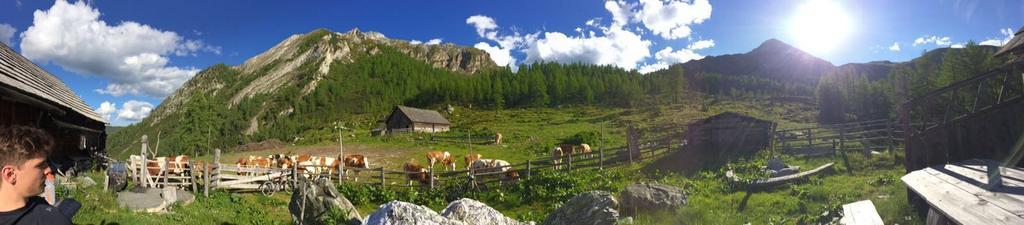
957	191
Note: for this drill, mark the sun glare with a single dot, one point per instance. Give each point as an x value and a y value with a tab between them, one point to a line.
819	26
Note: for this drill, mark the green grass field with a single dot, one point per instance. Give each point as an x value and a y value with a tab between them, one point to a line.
528	134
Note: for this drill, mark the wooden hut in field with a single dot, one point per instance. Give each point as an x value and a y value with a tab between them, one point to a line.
409	119
715	140
30	96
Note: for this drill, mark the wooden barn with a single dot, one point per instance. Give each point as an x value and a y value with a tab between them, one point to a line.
716	140
30	96
730	134
409	119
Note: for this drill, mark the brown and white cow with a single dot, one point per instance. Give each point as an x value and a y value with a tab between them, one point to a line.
556	157
442	157
179	165
470	158
483	166
416	172
497	138
354	161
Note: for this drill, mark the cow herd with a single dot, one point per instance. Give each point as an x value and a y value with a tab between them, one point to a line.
305	164
309	165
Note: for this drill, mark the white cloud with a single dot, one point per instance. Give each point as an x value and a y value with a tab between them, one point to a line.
134	111
482	24
619	43
667	56
622	13
1007	33
942	41
894	47
701	44
671	19
106	108
6	33
415	42
958	45
133	56
615	47
500	56
433	41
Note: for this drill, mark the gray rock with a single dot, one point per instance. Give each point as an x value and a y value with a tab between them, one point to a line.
591	208
404	213
473	212
153	200
84	182
312	203
785	171
776	164
149	200
646	197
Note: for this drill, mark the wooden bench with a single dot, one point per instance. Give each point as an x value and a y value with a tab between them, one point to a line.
860	213
956	192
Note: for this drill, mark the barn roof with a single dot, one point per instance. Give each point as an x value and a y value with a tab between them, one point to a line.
1015	45
423	115
19	73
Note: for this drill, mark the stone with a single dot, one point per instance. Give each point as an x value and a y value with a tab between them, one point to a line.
591	208
312	203
149	200
474	212
776	164
647	197
84	182
785	171
404	213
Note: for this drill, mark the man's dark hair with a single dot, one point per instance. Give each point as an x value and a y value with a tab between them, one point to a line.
21	143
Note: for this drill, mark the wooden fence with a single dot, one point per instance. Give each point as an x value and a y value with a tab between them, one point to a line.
234	178
863	136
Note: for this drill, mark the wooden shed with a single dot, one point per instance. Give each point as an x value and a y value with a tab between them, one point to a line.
30	96
715	140
409	119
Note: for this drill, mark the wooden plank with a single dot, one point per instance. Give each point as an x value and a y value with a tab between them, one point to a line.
254	178
1002	197
860	213
789	178
955	203
240	186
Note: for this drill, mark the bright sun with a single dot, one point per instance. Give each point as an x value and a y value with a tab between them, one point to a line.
819	26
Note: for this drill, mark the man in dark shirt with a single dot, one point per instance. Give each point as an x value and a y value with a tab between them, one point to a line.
23	168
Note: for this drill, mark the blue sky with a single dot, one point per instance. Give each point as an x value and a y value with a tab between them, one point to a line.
132	54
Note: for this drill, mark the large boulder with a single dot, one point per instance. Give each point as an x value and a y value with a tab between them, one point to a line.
474	212
317	203
591	208
646	197
404	213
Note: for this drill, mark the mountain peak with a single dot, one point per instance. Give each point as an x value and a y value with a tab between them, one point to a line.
773	45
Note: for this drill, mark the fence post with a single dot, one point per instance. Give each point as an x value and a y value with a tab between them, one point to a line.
216	161
431	178
382	184
842	152
892	144
295	174
206	180
527	169
570	158
600	159
144	168
810	137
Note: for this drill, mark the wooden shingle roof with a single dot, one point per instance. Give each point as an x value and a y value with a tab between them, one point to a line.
1015	45
423	115
19	73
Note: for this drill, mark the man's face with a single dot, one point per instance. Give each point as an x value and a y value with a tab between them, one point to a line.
28	178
